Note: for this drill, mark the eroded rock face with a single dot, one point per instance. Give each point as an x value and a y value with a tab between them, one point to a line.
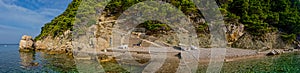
275	52
96	38
56	45
270	40
40	46
234	32
59	44
26	43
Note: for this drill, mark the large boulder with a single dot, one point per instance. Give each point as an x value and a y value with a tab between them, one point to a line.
26	43
275	52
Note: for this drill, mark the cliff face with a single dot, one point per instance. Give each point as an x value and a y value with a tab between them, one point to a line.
267	41
96	38
57	35
59	44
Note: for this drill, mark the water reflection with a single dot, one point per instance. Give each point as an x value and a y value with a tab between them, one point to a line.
57	63
42	62
33	62
27	59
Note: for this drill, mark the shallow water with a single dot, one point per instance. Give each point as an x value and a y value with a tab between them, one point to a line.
285	63
13	61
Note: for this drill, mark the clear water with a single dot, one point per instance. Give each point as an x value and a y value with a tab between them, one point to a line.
13	61
286	63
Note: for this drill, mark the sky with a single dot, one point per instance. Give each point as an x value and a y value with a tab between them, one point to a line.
26	17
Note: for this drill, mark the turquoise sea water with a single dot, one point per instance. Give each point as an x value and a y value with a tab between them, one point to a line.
13	61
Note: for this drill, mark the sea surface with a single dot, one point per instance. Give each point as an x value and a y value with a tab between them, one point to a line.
13	61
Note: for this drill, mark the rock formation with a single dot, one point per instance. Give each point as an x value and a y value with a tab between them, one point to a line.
237	37
26	43
270	40
40	46
275	52
61	44
97	36
234	32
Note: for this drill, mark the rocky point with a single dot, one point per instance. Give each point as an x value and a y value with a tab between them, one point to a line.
26	43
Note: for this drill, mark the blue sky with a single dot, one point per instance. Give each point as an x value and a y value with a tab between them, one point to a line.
26	17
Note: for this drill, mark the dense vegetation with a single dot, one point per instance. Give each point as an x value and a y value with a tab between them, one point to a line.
259	16
87	8
60	23
263	16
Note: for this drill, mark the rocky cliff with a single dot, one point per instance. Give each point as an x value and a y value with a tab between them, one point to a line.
53	45
56	36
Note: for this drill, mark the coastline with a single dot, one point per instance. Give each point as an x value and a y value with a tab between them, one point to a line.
258	55
171	63
232	54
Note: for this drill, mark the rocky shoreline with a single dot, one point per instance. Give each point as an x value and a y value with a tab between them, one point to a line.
142	55
172	61
272	52
27	44
232	54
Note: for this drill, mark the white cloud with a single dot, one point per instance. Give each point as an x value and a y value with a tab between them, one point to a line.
33	19
14	13
16	21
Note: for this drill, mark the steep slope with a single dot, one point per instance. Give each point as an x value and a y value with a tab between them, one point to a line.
56	35
271	24
61	23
